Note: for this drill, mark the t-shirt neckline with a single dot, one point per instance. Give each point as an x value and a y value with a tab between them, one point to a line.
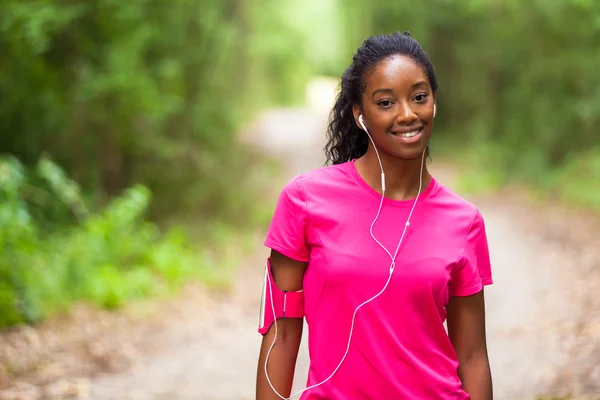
386	201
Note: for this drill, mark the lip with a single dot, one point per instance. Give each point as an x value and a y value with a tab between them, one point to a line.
409	140
399	132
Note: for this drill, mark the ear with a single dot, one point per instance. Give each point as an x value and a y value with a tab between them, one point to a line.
356	111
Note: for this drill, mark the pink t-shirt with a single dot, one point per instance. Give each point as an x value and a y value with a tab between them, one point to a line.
399	348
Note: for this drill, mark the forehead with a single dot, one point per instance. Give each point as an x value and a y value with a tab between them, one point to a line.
397	72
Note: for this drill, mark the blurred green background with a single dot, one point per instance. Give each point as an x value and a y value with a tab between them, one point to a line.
118	123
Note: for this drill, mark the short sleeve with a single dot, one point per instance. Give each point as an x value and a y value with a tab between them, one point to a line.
473	271
288	227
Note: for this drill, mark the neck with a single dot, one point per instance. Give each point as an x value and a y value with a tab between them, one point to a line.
402	177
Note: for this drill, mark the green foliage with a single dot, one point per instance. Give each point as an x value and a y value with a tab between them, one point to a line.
519	84
108	257
133	101
148	92
577	181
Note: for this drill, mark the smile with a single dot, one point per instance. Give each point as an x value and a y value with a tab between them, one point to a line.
407	134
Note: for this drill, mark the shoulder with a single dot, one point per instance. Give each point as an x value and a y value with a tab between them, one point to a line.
316	180
461	210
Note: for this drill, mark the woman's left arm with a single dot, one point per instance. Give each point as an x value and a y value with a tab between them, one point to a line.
466	329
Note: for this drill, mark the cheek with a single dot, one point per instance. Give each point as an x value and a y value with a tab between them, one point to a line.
382	120
430	123
428	119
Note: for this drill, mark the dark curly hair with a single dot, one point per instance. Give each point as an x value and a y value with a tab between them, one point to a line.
345	140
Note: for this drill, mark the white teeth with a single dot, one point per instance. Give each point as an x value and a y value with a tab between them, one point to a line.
408	134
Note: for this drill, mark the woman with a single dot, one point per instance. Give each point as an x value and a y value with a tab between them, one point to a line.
376	254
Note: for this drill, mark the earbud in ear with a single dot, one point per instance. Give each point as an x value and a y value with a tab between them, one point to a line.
434	110
362	123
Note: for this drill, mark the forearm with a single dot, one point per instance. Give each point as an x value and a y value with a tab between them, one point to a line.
282	359
476	377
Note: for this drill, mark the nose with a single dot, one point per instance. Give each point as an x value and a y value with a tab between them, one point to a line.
406	115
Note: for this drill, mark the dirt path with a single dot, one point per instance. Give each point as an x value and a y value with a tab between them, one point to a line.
210	353
220	362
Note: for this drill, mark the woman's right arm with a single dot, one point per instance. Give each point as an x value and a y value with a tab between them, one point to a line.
288	275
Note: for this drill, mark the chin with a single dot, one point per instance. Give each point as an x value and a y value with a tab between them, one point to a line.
409	155
406	149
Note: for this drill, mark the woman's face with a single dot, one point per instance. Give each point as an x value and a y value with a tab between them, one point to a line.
398	107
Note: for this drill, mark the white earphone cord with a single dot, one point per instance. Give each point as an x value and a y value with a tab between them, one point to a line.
392	267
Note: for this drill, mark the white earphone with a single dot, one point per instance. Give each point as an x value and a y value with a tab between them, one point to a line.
391	267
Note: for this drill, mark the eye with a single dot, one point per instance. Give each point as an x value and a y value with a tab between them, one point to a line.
421	97
384	103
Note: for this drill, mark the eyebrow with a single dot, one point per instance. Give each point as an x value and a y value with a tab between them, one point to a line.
388	90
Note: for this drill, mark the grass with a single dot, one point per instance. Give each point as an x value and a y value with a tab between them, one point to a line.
111	256
483	169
